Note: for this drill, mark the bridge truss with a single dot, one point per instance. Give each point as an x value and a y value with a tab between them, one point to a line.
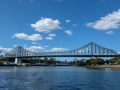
88	50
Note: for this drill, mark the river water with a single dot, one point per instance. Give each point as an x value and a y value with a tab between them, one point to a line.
58	78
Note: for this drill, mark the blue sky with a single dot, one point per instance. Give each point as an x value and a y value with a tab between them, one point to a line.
59	25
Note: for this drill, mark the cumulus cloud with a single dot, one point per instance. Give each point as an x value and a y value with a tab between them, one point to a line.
110	21
110	32
34	48
67	21
46	25
34	43
69	32
58	49
33	37
5	49
52	35
49	38
15	45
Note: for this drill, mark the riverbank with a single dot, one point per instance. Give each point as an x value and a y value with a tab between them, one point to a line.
34	65
103	66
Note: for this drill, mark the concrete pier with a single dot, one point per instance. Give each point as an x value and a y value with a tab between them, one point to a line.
18	61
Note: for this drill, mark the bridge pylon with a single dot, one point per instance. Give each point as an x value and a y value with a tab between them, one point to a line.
18	61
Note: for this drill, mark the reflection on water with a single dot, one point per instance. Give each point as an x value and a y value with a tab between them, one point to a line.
58	78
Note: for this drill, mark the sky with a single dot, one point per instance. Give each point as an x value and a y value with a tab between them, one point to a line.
59	25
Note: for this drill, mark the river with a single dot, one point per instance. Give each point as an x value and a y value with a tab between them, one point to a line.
58	78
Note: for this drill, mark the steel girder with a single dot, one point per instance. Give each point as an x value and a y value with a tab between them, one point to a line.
89	49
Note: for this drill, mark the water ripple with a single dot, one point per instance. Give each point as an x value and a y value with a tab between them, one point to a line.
58	78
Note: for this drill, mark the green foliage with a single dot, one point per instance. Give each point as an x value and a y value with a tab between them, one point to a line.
36	60
107	61
25	60
94	61
1	63
118	61
88	62
100	61
81	64
49	62
113	60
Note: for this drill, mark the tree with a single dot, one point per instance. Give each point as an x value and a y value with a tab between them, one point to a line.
81	63
118	61
94	61
107	61
100	61
88	62
1	63
25	60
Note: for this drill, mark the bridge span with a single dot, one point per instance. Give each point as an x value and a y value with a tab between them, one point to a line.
89	50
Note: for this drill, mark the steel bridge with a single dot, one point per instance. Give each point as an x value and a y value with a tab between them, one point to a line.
90	50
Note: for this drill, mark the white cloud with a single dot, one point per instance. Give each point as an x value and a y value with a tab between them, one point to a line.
67	21
69	32
52	35
74	24
31	0
49	38
34	48
33	37
46	25
5	49
15	45
110	21
58	49
34	42
110	32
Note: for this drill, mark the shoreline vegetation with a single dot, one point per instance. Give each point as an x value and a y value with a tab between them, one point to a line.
85	64
103	66
90	63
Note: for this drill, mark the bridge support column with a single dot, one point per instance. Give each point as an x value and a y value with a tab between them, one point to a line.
18	61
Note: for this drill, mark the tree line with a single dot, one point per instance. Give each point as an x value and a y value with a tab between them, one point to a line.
97	61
